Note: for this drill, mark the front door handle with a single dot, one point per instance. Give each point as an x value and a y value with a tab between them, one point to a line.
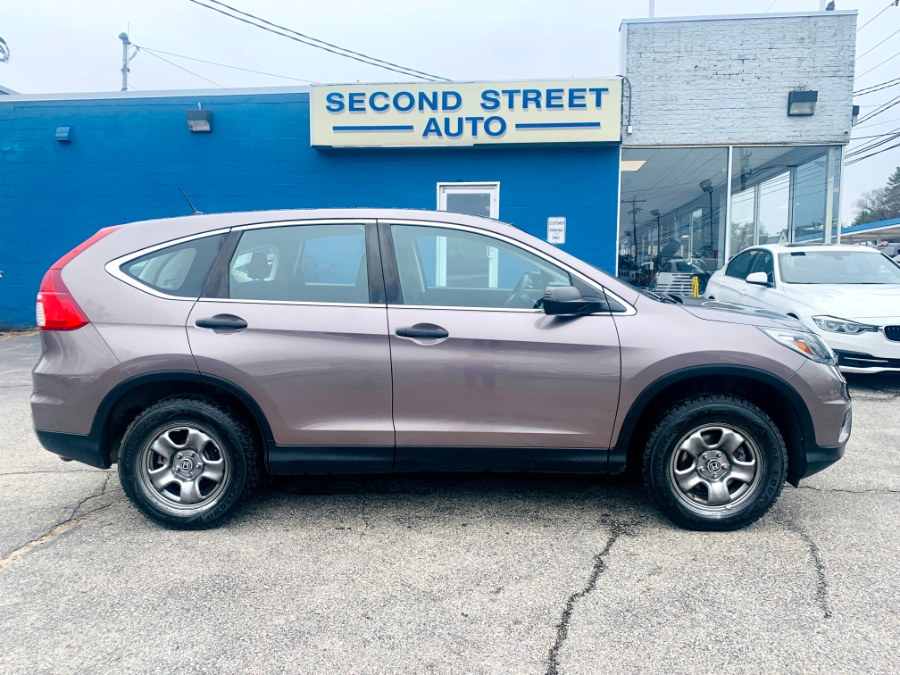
423	330
222	322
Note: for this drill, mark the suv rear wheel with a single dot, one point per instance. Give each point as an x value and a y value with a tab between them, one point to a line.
715	462
188	463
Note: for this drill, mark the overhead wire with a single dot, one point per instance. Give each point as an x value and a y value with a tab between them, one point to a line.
878	45
870	69
225	65
877	152
887	84
172	63
291	34
880	109
890	4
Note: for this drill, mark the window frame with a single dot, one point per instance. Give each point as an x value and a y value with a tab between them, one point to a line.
216	288
114	266
395	292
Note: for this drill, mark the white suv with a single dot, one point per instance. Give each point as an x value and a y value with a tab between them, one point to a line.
849	295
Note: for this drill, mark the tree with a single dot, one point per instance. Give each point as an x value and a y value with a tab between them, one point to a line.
880	203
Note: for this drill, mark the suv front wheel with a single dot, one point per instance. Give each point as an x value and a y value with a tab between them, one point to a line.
187	463
715	462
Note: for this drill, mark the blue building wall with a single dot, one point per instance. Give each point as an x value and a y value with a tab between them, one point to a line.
128	156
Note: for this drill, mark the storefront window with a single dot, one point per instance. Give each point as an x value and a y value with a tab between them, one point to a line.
672	233
784	194
672	222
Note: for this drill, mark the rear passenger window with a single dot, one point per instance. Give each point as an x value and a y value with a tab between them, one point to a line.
301	263
179	270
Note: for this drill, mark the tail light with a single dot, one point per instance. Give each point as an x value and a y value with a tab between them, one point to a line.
56	309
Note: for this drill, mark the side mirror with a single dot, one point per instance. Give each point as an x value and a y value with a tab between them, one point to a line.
758	279
567	301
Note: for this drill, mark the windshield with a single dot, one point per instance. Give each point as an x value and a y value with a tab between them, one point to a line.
837	267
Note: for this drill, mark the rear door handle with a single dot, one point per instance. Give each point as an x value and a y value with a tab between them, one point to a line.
222	322
427	331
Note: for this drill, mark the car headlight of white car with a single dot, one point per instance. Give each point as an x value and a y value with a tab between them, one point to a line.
803	342
832	324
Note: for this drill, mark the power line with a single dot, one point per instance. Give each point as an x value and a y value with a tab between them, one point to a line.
770	6
884	106
877	152
879	44
877	87
315	42
865	73
890	4
225	65
878	124
887	133
171	63
871	145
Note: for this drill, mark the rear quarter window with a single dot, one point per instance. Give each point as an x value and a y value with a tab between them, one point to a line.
180	270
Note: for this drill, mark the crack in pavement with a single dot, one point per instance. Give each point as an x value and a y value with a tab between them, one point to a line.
821	580
562	628
61	527
885	491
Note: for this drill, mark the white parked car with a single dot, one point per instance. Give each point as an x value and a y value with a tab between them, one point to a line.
849	295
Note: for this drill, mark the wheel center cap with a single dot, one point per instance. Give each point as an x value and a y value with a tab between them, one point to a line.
187	464
712	465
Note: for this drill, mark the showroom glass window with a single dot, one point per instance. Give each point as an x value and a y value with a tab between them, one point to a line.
783	195
676	203
672	216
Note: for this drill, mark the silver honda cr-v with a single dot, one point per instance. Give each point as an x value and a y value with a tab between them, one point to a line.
201	352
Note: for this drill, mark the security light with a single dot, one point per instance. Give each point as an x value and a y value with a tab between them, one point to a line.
655	213
802	103
854	116
64	134
706	185
199	121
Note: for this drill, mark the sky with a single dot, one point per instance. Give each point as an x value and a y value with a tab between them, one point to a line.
73	46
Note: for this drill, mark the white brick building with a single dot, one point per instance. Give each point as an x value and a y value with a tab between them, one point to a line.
712	161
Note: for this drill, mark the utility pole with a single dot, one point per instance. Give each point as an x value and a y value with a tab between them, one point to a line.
635	209
652	9
125	44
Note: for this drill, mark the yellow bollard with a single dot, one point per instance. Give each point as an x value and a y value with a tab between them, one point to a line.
695	286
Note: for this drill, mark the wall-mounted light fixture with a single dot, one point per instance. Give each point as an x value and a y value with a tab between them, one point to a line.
199	121
854	116
64	134
802	103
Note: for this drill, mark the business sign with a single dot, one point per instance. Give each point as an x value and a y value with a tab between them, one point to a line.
465	113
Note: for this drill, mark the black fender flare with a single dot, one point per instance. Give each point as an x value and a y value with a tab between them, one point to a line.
797	455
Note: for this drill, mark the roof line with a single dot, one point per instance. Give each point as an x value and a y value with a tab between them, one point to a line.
166	93
739	17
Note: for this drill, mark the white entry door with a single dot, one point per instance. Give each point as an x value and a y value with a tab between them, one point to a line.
477	199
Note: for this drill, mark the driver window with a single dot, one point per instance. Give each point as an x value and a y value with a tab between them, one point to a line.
764	262
456	268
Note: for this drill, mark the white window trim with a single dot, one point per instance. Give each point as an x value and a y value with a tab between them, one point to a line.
444	189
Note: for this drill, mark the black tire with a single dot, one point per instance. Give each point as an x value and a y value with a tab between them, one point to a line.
214	463
697	440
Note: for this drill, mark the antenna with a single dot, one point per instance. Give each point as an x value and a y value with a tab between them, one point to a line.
196	211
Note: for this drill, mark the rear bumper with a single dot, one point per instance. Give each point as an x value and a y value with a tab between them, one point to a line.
83	449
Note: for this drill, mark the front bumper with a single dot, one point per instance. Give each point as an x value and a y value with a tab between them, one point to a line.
85	449
872	352
860	362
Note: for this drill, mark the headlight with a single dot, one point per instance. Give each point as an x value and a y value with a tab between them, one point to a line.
802	342
834	325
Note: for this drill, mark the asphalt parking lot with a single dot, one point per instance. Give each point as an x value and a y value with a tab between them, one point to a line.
447	574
